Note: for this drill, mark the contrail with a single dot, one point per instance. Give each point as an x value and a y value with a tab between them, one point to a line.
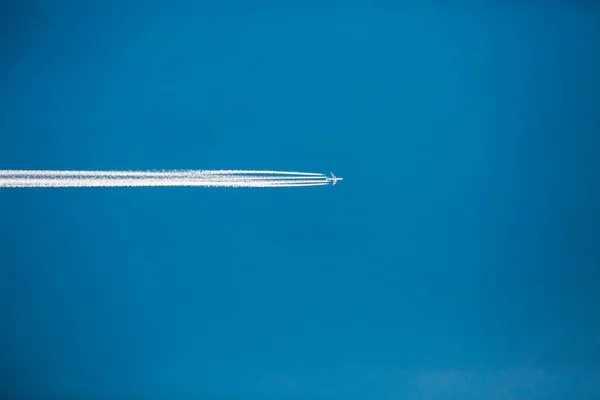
207	178
147	173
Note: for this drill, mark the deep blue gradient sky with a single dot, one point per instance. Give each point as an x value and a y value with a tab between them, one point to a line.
459	258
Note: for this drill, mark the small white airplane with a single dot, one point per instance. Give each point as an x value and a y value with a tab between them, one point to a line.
334	178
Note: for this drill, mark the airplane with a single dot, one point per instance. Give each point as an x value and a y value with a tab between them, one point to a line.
334	178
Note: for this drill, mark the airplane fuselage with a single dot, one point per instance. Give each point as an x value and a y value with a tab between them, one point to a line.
334	179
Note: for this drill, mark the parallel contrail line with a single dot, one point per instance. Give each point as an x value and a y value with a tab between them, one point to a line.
152	172
148	183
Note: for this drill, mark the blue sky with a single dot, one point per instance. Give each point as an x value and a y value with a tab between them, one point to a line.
457	258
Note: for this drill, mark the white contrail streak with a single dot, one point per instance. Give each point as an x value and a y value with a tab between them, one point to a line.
148	173
207	178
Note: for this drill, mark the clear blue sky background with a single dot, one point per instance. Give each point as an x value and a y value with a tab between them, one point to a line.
460	257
